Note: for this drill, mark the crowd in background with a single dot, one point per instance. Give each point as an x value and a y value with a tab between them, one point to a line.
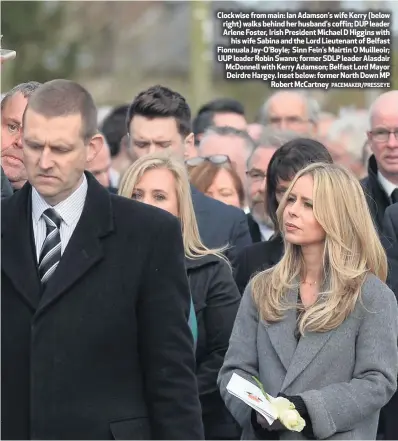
234	185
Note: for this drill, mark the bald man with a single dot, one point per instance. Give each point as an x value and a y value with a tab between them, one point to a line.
100	166
291	111
381	185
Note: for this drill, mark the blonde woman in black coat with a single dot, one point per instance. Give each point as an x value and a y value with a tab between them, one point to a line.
162	180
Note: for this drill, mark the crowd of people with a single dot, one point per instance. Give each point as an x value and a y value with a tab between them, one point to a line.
150	255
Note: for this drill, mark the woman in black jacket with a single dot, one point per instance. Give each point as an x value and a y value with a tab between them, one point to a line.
162	181
285	163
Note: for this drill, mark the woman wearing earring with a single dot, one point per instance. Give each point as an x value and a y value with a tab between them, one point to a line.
320	327
162	181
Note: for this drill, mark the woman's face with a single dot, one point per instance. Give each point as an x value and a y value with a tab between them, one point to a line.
299	224
223	189
157	187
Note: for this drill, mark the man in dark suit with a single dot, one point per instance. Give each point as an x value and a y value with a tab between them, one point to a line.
95	299
12	108
381	185
390	242
391	222
158	119
6	189
260	223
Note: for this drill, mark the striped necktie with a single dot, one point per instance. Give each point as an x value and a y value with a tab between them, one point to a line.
50	254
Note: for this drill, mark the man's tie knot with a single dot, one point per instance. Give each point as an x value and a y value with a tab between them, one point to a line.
52	218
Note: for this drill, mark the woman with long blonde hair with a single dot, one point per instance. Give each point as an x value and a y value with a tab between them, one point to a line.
321	327
162	180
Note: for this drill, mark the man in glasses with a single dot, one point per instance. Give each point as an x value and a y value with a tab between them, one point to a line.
381	185
290	110
381	188
12	108
260	224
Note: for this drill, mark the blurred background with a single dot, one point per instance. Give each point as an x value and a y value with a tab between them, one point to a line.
116	49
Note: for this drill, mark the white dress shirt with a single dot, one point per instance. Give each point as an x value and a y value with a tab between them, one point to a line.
69	210
388	186
266	232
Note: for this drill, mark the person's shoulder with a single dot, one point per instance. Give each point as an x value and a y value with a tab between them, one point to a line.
205	260
375	293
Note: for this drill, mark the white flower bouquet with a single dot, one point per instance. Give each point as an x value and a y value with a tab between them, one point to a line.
285	410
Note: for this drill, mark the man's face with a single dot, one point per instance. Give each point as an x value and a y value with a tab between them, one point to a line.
148	135
256	184
55	154
231	146
11	146
341	155
383	143
288	111
100	166
230	120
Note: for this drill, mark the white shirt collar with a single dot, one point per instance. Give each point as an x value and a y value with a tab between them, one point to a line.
266	232
69	209
388	186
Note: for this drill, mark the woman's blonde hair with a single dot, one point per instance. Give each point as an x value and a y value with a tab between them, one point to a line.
352	250
193	245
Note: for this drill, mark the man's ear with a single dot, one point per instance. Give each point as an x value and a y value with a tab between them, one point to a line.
189	146
369	136
95	145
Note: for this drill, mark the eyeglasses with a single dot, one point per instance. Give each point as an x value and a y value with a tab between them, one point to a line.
289	120
255	175
383	135
214	159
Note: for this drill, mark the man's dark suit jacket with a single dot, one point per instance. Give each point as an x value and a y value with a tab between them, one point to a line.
377	198
390	243
388	416
6	189
254	229
105	352
220	224
391	223
255	258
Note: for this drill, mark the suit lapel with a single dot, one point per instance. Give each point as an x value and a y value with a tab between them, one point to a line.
19	261
281	333
307	348
84	249
254	229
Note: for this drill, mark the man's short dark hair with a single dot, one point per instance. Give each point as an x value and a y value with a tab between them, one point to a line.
161	102
289	160
25	88
64	98
113	127
223	105
205	117
202	122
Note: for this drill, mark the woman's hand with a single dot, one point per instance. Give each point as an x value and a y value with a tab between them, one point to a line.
276	425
